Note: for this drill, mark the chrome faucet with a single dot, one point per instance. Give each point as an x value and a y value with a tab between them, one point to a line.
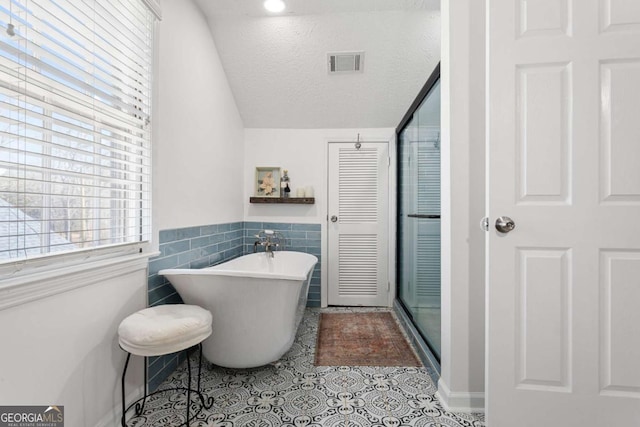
269	248
271	240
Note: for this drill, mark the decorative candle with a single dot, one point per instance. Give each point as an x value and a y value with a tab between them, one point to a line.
308	191
300	192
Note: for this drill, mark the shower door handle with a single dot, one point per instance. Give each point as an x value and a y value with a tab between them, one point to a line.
334	218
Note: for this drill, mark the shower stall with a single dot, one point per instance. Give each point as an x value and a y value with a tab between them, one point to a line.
418	221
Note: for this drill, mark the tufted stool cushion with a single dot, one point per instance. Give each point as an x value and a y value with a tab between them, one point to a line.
164	329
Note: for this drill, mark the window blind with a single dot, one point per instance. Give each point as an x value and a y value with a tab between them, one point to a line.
75	111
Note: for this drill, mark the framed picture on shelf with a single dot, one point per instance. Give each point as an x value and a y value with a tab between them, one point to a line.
267	182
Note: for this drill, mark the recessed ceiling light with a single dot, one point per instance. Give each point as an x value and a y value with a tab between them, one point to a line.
274	6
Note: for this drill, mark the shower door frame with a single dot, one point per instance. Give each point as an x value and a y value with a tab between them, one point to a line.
433	79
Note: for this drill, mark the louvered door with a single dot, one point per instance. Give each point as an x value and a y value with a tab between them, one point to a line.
358	238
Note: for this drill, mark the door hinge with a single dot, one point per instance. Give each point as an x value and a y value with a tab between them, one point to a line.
388	161
388	287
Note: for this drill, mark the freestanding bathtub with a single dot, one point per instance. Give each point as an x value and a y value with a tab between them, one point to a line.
257	302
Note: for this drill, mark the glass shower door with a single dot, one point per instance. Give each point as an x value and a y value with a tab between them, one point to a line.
418	260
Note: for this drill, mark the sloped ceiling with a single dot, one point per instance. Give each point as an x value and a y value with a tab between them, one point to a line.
277	64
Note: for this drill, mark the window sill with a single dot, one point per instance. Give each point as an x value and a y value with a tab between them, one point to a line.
44	282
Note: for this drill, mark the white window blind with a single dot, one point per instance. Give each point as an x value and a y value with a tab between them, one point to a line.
75	105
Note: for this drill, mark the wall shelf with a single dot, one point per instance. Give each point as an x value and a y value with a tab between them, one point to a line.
288	200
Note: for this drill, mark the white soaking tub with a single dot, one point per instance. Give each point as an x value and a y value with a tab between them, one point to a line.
257	302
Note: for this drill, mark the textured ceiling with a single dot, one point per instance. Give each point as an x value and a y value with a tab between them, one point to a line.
313	7
277	65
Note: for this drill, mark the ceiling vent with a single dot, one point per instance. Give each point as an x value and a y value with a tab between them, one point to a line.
345	62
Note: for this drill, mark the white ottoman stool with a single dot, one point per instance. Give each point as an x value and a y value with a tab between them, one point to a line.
161	330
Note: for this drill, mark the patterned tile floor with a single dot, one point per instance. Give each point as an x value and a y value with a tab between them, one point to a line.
295	393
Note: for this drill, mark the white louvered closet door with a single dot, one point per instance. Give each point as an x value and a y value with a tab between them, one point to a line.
358	238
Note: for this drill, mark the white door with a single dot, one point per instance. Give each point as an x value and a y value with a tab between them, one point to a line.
358	224
563	331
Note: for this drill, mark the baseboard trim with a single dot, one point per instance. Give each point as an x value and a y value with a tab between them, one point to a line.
114	416
466	402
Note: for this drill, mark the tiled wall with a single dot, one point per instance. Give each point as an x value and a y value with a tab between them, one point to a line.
203	246
192	247
300	238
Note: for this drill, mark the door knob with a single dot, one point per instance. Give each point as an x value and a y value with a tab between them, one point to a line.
334	218
504	224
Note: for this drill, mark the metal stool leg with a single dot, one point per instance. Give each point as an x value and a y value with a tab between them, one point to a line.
124	409
209	402
188	385
139	404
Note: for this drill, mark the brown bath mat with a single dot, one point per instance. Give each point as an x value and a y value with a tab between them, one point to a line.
362	339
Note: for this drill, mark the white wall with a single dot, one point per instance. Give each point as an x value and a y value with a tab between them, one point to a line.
63	349
198	138
461	385
303	152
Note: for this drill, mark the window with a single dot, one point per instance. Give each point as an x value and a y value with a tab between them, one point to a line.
75	110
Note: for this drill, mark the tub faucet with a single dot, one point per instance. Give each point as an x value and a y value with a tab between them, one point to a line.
271	240
270	248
